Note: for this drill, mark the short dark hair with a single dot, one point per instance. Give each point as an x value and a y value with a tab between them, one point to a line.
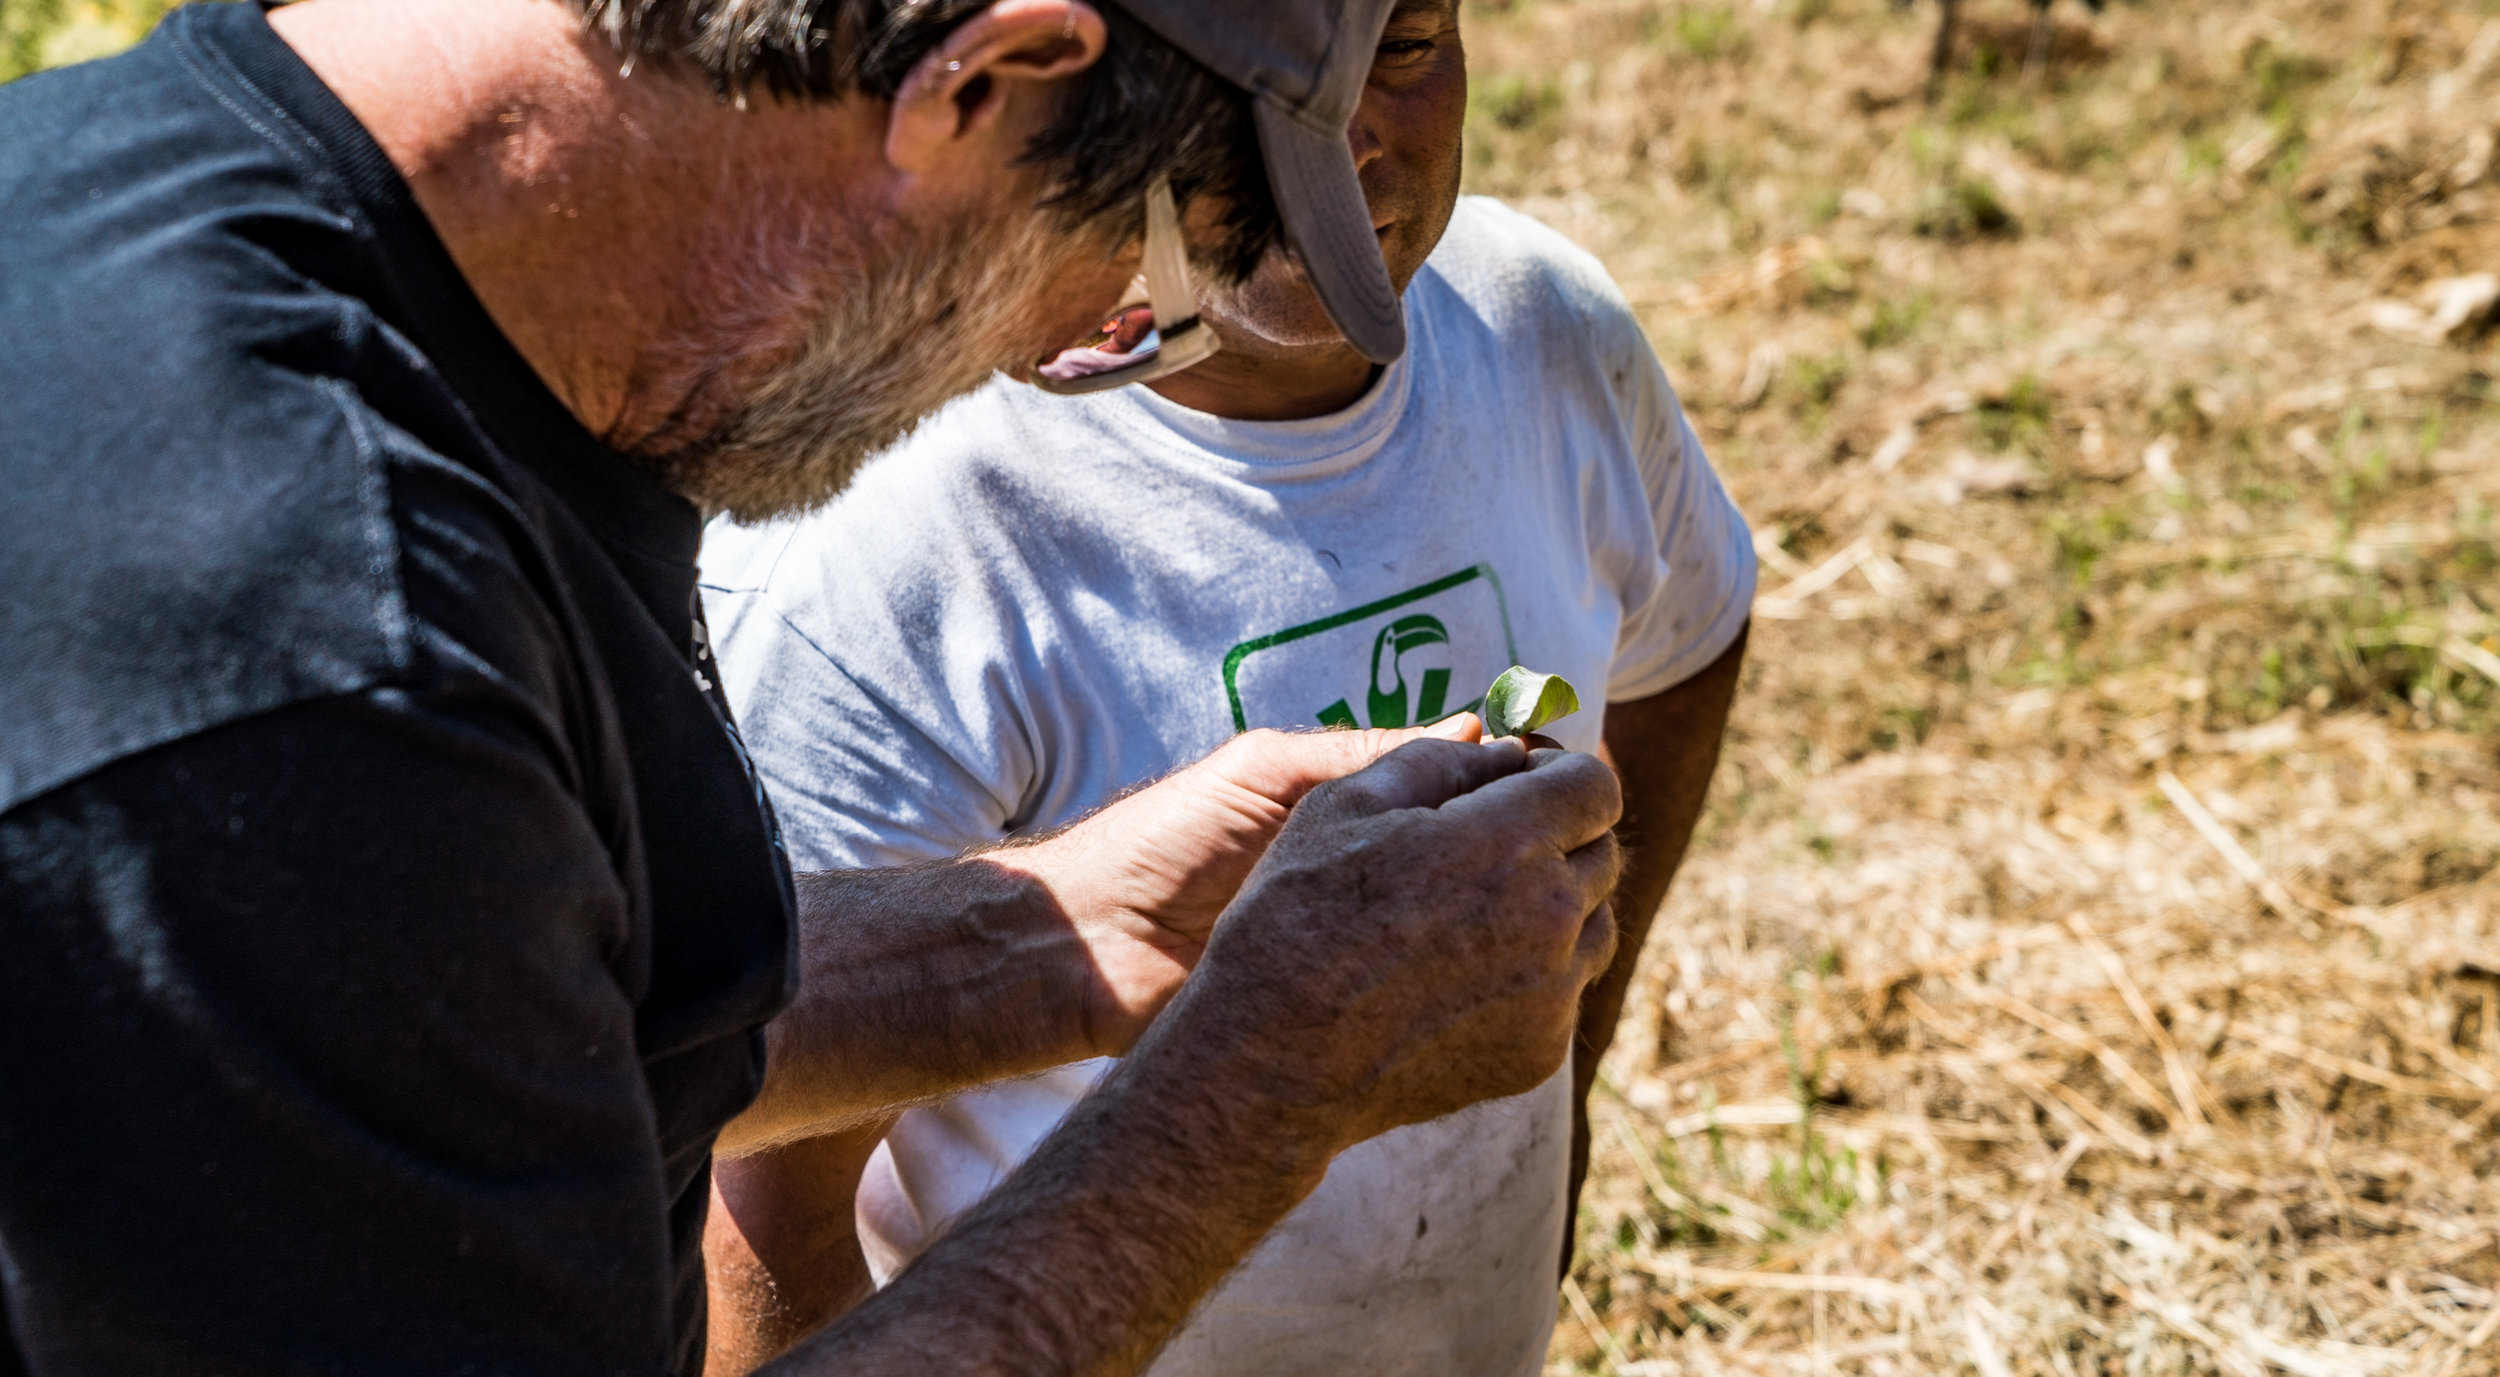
1146	108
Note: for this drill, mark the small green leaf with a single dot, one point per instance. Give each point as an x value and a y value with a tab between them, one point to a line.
1522	700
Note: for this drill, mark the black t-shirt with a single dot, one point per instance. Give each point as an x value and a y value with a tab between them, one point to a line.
387	912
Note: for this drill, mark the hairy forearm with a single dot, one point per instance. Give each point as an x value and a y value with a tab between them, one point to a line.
1665	750
1415	940
915	982
1648	871
781	1250
929	979
1095	1250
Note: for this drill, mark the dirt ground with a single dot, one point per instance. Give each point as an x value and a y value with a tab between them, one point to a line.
2089	964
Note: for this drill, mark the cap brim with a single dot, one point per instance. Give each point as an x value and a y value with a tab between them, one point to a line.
1320	197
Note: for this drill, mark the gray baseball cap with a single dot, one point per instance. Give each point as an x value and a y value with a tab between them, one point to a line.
1304	63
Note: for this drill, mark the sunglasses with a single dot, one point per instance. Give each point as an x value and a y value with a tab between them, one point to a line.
1154	333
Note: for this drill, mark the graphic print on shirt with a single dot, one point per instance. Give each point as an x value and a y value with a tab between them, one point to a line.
1394	662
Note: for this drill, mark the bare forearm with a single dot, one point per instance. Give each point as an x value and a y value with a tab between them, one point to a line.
1647	874
915	982
1665	749
781	1250
923	980
1087	1259
1652	855
1415	940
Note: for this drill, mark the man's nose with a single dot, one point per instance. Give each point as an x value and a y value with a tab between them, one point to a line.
1366	145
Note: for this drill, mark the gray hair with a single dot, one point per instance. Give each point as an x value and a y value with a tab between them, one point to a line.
1145	109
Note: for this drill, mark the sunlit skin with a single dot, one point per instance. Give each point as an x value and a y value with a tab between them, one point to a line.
782	1244
1408	917
593	253
1282	359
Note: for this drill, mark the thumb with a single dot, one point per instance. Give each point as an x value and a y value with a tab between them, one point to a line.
1464	726
1422	773
1284	766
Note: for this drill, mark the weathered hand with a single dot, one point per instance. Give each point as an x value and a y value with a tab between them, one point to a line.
1415	940
1145	878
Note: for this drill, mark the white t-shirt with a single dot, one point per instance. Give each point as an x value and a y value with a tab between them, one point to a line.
1038	602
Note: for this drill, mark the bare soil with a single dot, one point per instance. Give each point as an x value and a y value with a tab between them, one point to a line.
2089	962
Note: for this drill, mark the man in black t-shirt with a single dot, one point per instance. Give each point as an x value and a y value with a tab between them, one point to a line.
391	929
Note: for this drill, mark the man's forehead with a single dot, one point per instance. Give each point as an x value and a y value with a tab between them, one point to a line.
1423	9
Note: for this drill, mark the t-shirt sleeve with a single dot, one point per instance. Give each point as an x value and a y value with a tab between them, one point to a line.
873	695
857	780
320	1056
1688	580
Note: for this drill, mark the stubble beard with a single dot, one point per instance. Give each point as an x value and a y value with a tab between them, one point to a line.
834	343
1272	310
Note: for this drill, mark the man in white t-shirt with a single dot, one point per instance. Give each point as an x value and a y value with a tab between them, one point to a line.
1044	601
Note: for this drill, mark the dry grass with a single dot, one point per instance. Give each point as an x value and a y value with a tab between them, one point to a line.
2090	965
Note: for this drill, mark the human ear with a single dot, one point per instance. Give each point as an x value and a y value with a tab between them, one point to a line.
956	94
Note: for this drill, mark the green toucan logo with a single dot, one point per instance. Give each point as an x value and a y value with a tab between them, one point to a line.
1388	701
1413	657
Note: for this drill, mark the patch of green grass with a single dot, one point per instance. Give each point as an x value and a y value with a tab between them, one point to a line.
2431	432
1929	149
2200	156
1712	171
2279	80
1987	60
1982	106
2375	650
2476	558
1965	207
2018	420
1676	1227
1900	728
1816	1187
1814	381
37	34
2052	664
1829	284
1511	101
1893	320
1707	32
2076	148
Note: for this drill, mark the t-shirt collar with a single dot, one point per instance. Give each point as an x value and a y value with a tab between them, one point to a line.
1338	440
